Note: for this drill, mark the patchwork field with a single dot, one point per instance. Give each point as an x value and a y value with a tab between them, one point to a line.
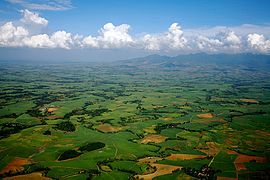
142	120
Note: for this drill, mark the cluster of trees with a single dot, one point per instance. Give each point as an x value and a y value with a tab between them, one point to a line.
105	96
92	146
205	172
35	113
97	112
46	98
69	154
92	112
66	126
234	113
118	92
8	94
10	128
161	127
47	132
13	115
85	148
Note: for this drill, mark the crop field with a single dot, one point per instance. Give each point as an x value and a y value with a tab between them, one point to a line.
134	120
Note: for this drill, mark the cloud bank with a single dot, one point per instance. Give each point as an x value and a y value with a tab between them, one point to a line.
28	32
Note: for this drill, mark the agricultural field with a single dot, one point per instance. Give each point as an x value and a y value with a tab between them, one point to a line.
145	118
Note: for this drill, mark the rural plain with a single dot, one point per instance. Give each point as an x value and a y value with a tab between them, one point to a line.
186	117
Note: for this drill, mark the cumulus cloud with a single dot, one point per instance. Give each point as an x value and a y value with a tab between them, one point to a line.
171	39
232	38
62	39
111	36
31	18
152	42
19	36
258	43
11	35
208	44
175	37
27	32
224	41
91	42
59	39
38	41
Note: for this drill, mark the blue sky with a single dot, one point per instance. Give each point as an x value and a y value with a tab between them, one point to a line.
157	15
149	15
150	26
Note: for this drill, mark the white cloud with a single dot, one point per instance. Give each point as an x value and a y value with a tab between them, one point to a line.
31	18
172	39
243	29
208	44
62	39
111	36
223	41
258	43
59	39
90	41
77	40
39	41
232	38
175	37
151	42
246	29
115	36
29	32
11	35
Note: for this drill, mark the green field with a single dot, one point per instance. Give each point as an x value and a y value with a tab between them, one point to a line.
97	121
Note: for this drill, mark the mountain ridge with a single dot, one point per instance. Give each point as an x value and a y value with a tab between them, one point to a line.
243	59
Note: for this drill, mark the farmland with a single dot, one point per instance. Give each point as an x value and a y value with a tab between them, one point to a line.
149	118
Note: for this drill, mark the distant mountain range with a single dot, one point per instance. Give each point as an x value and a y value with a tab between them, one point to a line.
248	60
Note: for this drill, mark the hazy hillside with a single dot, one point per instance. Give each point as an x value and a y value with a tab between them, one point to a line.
248	60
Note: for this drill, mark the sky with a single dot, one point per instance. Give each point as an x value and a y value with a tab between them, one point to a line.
118	29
